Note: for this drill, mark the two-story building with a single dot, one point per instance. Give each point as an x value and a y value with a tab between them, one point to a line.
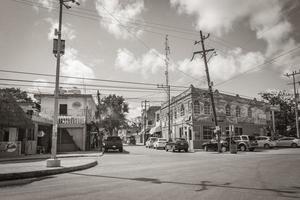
192	118
76	113
148	121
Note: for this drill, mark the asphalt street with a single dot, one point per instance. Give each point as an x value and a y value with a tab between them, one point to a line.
141	173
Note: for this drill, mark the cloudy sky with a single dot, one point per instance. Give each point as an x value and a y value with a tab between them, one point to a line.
256	42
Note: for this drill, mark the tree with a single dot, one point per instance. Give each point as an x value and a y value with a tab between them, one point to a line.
112	110
286	116
17	94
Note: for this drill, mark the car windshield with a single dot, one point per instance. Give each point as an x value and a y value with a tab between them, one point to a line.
113	138
162	140
251	137
180	139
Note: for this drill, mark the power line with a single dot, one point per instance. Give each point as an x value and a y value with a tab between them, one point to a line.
260	65
82	78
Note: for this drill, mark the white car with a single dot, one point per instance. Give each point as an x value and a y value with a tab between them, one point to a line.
265	142
160	143
288	142
150	141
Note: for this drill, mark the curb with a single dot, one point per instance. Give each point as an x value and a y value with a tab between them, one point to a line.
47	157
40	173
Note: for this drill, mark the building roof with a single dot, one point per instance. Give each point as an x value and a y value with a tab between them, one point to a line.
217	94
11	114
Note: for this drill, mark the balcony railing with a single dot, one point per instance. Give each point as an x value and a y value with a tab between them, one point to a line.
71	120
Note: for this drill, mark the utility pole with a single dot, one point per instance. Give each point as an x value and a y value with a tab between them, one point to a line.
296	98
210	84
144	105
58	50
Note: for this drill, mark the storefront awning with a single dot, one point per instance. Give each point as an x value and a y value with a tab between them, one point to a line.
155	130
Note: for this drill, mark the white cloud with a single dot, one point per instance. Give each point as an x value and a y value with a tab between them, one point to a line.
44	3
72	66
42	86
121	10
223	67
68	32
265	17
150	62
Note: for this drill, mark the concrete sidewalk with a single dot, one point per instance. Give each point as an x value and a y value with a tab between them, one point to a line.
35	166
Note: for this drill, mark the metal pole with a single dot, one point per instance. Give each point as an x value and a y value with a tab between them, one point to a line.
296	105
273	119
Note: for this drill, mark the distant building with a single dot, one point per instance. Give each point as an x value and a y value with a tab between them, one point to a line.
192	118
76	113
148	120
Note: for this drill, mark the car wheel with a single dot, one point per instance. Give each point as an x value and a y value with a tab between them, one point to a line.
223	149
267	146
243	148
205	148
173	149
121	149
166	149
186	150
294	145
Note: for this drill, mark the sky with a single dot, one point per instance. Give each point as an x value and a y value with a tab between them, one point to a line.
256	44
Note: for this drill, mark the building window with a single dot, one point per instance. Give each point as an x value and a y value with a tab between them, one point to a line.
157	117
197	107
63	109
238	131
175	113
238	111
150	123
189	106
208	132
249	112
182	110
227	109
207	108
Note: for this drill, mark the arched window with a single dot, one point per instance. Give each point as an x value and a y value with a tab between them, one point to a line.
237	111
249	112
175	112
182	110
207	108
228	110
196	107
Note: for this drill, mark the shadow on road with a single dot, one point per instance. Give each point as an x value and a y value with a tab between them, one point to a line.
21	182
116	152
293	192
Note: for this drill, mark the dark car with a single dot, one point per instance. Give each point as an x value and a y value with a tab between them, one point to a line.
245	142
178	145
213	145
131	140
113	143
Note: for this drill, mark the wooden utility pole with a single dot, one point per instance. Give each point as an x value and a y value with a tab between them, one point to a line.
167	50
296	98
54	162
210	84
144	105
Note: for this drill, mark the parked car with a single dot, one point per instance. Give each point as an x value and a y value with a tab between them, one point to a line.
288	142
178	145
113	143
160	143
212	145
131	140
265	142
245	142
150	141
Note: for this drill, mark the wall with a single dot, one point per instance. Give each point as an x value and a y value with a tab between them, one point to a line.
47	103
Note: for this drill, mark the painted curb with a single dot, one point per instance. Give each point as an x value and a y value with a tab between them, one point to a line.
47	172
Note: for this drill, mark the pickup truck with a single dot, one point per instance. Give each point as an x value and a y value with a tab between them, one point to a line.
113	143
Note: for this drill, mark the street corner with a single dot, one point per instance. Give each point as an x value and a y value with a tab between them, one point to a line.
25	170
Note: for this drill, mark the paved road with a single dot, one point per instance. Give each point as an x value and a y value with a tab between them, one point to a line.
142	173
